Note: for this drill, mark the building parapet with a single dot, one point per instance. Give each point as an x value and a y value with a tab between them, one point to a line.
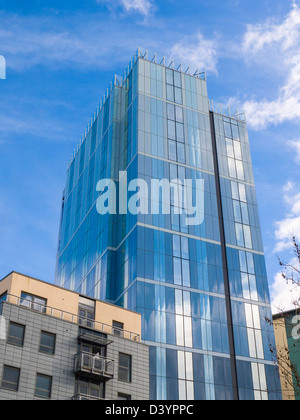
70	317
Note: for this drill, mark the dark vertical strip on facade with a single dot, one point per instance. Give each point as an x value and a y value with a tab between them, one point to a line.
224	261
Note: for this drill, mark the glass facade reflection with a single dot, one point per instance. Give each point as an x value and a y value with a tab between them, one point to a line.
202	289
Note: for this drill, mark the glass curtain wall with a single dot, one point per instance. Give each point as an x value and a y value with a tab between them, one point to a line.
156	125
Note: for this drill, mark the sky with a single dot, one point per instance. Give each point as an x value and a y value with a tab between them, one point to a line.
61	57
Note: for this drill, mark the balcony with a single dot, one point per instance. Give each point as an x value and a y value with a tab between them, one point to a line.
67	316
83	397
94	366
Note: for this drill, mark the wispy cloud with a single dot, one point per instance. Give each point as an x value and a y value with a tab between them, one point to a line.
27	41
197	51
143	7
289	225
277	46
283	294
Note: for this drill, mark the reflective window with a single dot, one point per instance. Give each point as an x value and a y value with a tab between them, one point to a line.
33	302
43	386
10	378
16	334
47	343
124	367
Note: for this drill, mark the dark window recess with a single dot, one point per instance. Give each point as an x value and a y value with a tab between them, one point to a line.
124	367
10	378
43	386
16	334
47	343
118	328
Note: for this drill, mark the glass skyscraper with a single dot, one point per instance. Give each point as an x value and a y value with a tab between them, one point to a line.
201	288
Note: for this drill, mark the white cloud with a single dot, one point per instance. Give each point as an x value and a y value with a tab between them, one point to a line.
286	295
197	51
277	45
144	7
283	294
290	224
140	6
285	34
296	146
30	41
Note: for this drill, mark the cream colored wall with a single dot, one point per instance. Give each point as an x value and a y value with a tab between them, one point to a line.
286	379
108	313
67	301
56	297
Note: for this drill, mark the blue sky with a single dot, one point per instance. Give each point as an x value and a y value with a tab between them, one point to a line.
60	58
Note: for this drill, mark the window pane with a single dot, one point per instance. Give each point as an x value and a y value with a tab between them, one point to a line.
235	132
16	334
179	114
176	246
171	111
237	150
172	150
43	386
169	76
229	148
170	93
171	130
231	167
118	328
124	367
179	132
177	79
178	95
47	344
180	153
124	397
10	378
240	170
177	270
239	234
227	127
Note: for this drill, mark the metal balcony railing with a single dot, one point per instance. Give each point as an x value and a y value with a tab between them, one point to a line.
74	318
83	397
94	365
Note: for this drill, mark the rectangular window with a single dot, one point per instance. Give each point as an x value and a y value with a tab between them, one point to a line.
16	334
118	328
179	114
33	302
171	112
170	76
10	378
172	150
124	367
47	343
180	153
177	79
86	312
171	130
179	132
3	298
170	93
178	95
124	397
43	386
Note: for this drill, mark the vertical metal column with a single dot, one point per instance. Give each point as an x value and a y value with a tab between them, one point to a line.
224	261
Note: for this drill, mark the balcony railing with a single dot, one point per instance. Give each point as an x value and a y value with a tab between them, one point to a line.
74	318
83	397
94	365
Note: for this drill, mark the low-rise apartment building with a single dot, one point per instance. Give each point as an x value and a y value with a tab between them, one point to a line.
56	344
